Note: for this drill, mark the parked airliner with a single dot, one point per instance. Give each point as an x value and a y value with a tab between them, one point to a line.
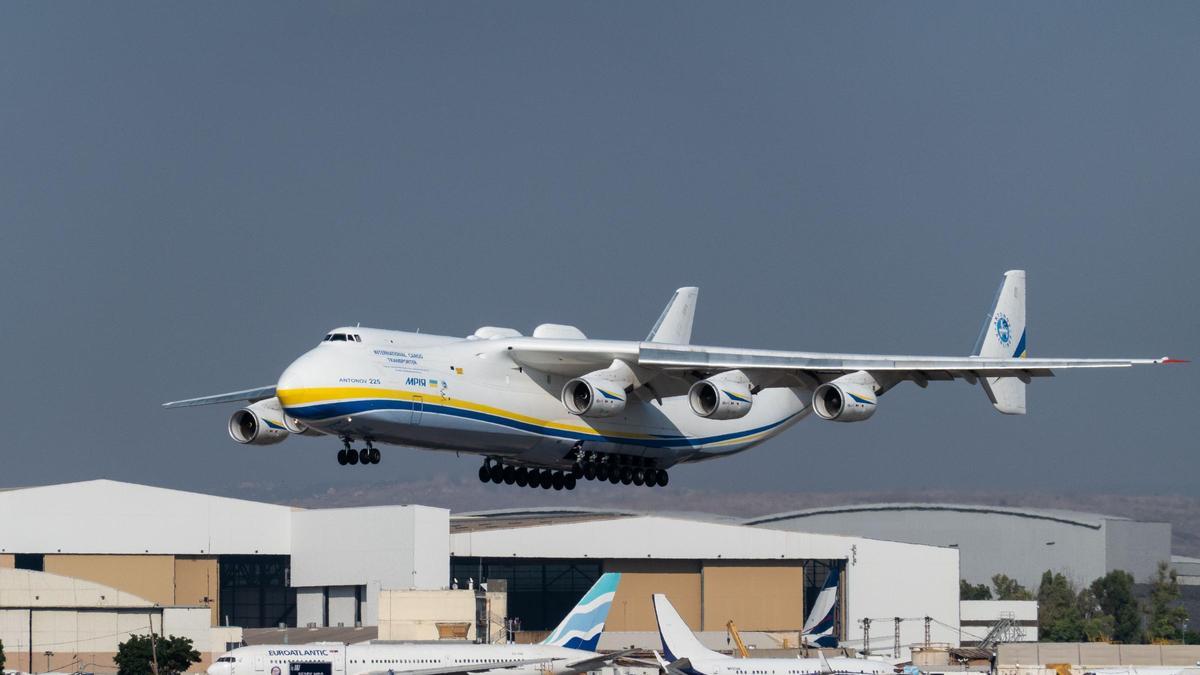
555	407
685	655
569	650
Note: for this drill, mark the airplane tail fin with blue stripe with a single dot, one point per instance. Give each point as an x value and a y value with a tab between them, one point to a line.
819	628
1003	337
678	641
582	626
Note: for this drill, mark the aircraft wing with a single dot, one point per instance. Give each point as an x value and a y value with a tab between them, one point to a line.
570	357
821	366
576	357
482	667
597	662
251	395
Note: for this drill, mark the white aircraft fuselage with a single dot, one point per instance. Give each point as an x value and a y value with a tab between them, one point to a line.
359	659
469	395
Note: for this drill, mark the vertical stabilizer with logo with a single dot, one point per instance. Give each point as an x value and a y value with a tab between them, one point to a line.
582	626
1003	337
818	629
678	641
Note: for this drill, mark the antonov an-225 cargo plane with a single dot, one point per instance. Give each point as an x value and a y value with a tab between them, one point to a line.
550	409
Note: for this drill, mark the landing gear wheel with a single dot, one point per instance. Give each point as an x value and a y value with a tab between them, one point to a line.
626	476
547	479
556	480
614	475
663	478
569	482
577	471
484	475
589	471
602	472
342	457
364	456
352	457
376	455
496	473
639	478
510	475
522	477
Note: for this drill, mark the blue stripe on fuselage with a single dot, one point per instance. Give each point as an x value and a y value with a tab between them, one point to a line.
323	411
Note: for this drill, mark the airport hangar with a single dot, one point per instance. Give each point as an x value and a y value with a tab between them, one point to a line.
1020	542
249	564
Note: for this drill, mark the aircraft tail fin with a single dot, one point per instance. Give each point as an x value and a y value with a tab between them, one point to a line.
582	626
1003	336
819	627
678	641
674	325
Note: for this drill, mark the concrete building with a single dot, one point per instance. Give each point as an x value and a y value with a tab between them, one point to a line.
1022	543
259	566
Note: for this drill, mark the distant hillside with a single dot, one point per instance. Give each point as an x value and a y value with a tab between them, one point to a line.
461	494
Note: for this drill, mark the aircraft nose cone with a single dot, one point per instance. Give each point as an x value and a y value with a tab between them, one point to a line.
219	669
304	373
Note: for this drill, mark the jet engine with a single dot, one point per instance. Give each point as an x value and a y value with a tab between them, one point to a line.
850	398
260	423
724	396
600	393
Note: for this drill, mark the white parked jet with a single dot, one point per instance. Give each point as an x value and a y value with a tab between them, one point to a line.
568	650
686	656
555	407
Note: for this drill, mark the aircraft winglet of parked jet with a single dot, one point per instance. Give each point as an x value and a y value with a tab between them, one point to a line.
555	407
568	650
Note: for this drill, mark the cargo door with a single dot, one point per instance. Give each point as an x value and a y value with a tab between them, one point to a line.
418	407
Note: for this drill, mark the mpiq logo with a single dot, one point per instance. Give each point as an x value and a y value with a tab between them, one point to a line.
1003	330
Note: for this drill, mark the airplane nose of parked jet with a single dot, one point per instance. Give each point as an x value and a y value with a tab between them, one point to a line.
219	669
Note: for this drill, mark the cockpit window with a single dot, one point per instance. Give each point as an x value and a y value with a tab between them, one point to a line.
226	659
342	337
339	337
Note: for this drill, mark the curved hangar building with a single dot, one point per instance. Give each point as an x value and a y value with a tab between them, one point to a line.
83	565
1020	542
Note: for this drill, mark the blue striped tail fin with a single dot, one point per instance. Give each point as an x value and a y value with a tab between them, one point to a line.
582	626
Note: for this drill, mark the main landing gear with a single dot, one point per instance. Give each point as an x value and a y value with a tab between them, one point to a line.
364	456
590	466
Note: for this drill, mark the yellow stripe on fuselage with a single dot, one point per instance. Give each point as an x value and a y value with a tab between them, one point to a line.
291	398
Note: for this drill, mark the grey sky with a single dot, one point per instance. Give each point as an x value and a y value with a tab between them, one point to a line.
192	193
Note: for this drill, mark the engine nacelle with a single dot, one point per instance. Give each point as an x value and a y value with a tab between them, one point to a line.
724	396
594	396
261	423
850	398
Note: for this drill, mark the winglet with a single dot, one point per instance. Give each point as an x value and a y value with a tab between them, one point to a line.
674	325
1167	359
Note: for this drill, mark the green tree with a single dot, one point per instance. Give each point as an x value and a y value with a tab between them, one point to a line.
175	655
1114	596
1059	618
1009	589
977	592
1	656
1166	618
1097	626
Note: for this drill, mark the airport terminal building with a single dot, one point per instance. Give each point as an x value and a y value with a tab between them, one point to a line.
194	564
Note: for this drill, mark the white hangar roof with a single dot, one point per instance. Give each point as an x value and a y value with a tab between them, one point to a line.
621	535
105	516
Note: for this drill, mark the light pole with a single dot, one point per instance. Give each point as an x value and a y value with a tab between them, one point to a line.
48	655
